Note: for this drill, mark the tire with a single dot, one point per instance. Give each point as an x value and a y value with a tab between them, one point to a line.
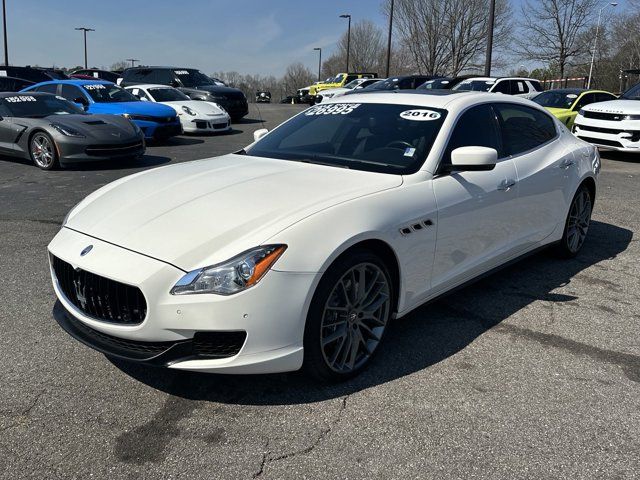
576	224
343	313
43	152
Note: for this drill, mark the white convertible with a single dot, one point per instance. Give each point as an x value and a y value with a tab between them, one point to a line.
300	249
196	116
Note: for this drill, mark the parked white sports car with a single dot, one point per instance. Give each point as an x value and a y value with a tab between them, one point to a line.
300	249
612	125
196	116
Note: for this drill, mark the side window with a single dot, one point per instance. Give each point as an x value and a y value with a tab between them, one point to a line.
475	128
350	78
5	85
163	77
71	92
536	85
502	87
142	75
524	128
586	99
405	83
140	94
603	97
49	88
519	87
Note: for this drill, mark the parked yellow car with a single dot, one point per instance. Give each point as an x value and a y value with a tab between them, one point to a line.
338	81
564	103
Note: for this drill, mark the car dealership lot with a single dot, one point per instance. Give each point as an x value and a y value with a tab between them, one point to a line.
534	372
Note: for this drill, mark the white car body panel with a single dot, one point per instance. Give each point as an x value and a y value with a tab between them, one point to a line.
614	130
209	117
151	228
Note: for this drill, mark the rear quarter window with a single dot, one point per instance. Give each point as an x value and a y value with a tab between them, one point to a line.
524	128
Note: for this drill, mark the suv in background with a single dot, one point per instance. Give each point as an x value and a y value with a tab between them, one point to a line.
35	75
11	84
192	82
98	74
517	86
405	82
338	81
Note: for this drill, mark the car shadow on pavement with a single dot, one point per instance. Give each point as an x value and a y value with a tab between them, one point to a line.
425	337
620	156
175	141
247	121
122	164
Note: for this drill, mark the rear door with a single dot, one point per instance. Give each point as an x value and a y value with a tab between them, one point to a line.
9	131
542	161
476	210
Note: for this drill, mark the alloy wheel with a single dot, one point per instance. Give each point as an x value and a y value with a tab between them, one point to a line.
42	151
355	317
578	223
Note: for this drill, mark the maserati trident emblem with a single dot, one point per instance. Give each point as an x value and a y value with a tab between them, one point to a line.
86	250
80	294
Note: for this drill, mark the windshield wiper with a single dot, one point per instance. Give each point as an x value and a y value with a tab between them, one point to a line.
319	162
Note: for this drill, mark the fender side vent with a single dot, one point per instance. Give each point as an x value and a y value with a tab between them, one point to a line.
405	231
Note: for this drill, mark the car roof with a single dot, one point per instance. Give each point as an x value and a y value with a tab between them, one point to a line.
569	91
77	82
19	94
147	86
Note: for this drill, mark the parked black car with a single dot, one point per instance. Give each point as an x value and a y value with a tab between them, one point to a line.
406	82
97	73
193	83
32	74
263	97
12	84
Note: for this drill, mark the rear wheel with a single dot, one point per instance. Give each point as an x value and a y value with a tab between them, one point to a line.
348	317
43	151
577	224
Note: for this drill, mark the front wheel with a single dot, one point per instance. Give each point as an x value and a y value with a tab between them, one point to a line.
348	316
43	151
577	224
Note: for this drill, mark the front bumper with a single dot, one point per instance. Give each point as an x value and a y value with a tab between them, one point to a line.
155	130
623	136
271	314
236	108
73	150
208	124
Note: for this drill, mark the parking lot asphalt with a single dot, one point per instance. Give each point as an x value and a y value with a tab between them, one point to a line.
533	372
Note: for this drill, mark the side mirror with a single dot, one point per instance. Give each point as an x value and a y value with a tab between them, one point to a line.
473	159
258	134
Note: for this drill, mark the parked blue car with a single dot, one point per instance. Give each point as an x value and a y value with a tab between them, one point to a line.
158	122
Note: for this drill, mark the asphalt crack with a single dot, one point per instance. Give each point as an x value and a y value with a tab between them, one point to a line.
25	413
269	457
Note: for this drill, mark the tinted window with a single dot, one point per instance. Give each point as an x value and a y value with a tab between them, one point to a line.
502	87
536	85
523	128
5	84
71	92
142	75
108	93
50	88
633	93
474	85
604	97
170	94
38	106
519	87
557	98
385	138
475	128
586	99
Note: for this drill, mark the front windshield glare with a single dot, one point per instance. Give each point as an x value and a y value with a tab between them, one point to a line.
108	93
374	137
555	99
474	85
40	106
167	95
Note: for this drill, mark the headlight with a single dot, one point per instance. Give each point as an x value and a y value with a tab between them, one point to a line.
189	111
631	117
232	276
68	131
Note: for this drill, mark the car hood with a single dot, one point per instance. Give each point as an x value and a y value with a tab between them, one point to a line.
559	112
337	90
198	106
615	106
200	213
102	127
133	108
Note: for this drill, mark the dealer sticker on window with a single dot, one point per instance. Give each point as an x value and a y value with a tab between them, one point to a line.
333	109
420	115
96	86
21	98
181	72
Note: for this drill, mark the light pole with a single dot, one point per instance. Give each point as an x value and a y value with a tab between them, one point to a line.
487	62
389	39
84	32
4	24
319	60
595	41
132	60
348	38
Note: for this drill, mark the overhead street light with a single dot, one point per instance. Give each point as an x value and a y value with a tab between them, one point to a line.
319	60
348	38
84	32
492	16
595	40
132	60
389	39
4	25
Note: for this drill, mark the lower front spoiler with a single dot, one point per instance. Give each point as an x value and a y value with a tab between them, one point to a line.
203	346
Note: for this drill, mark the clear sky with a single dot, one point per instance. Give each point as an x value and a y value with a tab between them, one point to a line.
248	36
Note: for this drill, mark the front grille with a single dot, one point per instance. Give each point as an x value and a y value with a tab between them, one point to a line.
150	118
219	126
635	134
115	150
99	297
600	141
218	344
616	117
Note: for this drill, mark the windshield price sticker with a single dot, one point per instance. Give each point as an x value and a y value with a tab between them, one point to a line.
181	72
96	86
333	109
21	98
572	95
420	115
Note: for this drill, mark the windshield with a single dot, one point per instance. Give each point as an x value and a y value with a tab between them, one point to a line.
193	78
108	93
38	106
633	93
435	84
354	83
388	84
474	85
556	99
167	95
383	138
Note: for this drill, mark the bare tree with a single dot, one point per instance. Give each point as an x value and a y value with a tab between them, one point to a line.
367	50
552	31
448	37
121	65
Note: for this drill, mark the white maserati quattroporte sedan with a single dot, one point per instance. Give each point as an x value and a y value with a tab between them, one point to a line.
298	251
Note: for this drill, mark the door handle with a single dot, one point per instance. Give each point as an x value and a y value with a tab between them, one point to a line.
506	184
566	163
